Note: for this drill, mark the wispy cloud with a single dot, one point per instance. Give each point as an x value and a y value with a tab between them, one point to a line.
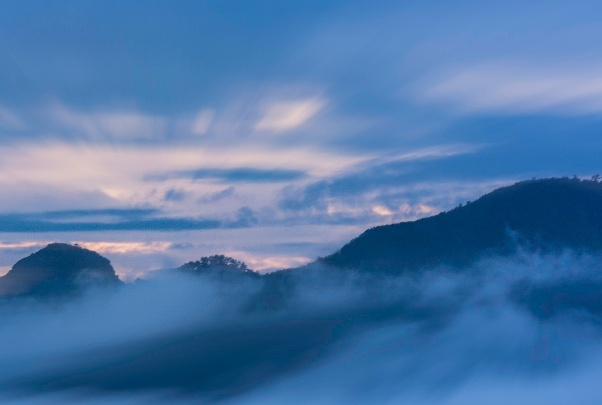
511	88
357	185
19	245
218	195
427	153
122	213
126	247
109	125
25	223
118	173
284	116
202	122
175	195
239	174
100	246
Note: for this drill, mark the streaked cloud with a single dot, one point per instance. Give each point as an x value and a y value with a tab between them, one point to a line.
517	89
427	153
100	247
216	196
110	164
239	174
110	175
19	245
284	116
126	247
109	125
357	184
25	223
202	122
122	213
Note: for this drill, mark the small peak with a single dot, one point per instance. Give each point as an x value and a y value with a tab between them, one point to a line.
58	269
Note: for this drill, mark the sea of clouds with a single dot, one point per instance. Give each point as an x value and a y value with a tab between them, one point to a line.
523	330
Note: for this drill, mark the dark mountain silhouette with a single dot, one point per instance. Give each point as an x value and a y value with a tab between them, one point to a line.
546	214
57	270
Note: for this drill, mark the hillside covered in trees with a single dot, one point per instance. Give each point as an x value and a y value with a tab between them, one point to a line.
546	215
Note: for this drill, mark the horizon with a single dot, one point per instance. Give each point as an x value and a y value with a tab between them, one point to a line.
109	247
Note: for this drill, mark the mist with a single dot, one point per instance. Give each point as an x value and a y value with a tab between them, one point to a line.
523	329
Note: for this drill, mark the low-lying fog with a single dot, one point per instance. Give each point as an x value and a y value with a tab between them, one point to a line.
523	330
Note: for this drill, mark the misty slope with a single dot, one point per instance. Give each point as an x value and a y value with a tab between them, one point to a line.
545	214
56	270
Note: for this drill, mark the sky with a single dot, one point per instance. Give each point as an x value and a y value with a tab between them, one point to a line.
274	132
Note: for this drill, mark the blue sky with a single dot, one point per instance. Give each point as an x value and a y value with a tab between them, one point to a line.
157	132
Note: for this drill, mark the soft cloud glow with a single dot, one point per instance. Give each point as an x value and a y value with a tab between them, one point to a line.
284	116
382	210
406	211
17	245
265	264
519	89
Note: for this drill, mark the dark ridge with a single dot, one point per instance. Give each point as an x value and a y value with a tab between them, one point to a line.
546	214
58	270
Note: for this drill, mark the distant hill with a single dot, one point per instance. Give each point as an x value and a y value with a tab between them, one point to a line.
57	270
219	267
215	262
546	214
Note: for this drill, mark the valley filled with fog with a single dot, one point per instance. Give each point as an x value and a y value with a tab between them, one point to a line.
508	329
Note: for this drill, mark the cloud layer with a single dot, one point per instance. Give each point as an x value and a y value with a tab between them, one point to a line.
449	336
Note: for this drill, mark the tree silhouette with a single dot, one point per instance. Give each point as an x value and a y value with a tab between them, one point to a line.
215	262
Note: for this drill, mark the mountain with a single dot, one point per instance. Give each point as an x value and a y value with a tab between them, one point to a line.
546	214
57	270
